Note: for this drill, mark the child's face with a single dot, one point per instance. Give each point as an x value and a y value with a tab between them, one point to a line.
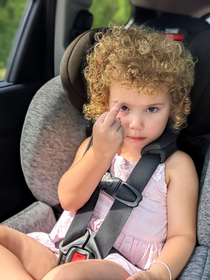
143	117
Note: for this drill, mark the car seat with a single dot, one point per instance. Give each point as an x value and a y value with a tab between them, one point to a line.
192	31
175	24
54	127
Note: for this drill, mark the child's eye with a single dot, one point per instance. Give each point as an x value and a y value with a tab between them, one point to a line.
124	108
152	110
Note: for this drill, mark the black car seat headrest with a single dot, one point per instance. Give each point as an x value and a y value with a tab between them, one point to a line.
71	68
82	23
192	139
182	27
199	119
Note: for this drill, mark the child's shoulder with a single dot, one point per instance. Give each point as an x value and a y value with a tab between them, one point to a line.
179	157
179	164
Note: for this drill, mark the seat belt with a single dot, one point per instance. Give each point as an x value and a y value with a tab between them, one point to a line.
78	244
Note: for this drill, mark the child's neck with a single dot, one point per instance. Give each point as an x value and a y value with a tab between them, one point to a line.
129	154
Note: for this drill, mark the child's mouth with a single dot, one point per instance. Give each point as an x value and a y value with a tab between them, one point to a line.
137	139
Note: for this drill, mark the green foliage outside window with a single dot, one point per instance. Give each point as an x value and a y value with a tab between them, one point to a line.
10	15
106	11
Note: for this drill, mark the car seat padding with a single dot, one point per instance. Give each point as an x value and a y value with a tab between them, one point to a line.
200	93
71	68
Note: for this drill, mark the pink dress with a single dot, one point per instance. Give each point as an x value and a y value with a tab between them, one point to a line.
144	233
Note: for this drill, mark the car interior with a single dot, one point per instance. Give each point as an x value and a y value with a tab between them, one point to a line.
41	99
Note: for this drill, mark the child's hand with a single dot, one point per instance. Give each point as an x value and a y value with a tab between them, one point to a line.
108	133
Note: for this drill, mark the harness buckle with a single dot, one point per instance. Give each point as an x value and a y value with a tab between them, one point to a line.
127	195
77	254
83	248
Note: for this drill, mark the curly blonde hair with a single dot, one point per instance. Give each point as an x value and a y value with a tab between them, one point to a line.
141	58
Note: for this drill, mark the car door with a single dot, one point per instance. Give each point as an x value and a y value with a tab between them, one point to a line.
46	29
31	64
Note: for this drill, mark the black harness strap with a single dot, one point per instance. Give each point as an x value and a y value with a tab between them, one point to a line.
80	222
149	163
127	195
77	234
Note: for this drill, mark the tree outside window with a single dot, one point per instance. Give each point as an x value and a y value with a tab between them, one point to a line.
10	15
105	11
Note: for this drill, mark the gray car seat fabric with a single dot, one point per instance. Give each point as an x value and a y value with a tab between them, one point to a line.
203	226
52	132
198	267
37	217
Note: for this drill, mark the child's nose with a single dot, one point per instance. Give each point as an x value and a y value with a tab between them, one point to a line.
137	122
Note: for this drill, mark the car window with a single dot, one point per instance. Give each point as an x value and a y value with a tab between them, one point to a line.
104	12
11	12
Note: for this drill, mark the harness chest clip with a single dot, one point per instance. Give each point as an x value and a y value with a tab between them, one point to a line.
127	194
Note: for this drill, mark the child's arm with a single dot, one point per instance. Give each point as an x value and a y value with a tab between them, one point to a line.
182	210
78	183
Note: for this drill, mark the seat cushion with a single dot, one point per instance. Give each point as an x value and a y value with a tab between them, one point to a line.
198	267
203	220
52	132
37	217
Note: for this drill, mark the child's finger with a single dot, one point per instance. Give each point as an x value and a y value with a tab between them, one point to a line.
102	117
112	114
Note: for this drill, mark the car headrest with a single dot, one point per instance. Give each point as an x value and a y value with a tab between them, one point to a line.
182	27
71	68
199	118
74	84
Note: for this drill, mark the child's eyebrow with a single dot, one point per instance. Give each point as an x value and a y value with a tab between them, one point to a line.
147	105
155	104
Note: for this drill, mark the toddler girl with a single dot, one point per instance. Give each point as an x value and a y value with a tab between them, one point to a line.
138	83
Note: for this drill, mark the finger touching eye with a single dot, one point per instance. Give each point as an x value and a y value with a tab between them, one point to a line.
124	108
